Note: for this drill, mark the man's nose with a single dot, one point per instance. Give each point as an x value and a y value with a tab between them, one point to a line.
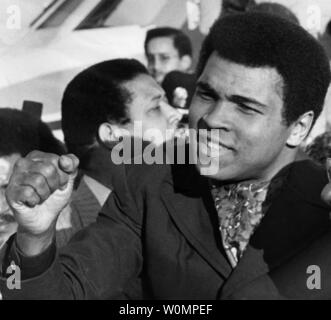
157	64
172	115
220	116
151	63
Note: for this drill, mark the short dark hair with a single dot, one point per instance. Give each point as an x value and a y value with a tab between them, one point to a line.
276	9
264	40
94	96
22	133
181	41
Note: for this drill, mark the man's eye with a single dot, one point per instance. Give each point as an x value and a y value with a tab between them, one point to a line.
150	59
205	95
164	58
154	109
247	110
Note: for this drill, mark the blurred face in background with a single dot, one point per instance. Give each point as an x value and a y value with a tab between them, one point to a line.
151	117
149	106
7	222
163	57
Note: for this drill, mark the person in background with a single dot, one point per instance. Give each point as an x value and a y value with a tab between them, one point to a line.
167	49
21	133
179	88
320	148
236	6
169	59
101	105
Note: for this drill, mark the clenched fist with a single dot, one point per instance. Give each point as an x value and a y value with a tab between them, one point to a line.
39	189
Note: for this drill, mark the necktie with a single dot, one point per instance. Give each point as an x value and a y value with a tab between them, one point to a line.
240	210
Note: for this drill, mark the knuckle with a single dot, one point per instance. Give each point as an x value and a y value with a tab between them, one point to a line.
21	163
27	192
50	156
49	170
38	180
34	154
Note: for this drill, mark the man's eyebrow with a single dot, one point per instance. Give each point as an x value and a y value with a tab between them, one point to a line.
207	87
246	100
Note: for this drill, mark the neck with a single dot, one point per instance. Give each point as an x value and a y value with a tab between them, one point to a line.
278	167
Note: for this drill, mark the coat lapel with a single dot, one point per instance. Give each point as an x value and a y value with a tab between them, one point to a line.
295	219
86	204
188	200
289	226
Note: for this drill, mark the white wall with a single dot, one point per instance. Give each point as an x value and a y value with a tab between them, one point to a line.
313	14
15	17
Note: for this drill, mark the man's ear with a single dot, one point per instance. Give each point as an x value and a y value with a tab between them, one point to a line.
300	129
108	133
185	63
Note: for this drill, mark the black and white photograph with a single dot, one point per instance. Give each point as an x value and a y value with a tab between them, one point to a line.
165	155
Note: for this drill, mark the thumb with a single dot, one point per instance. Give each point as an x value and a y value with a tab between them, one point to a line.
69	164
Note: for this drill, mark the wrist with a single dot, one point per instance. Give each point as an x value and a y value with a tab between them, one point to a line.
32	245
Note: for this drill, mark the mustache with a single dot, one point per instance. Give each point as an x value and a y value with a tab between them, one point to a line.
205	132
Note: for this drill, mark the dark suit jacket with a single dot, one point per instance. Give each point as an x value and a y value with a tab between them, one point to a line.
157	237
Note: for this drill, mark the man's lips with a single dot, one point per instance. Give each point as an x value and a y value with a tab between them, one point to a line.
211	140
211	137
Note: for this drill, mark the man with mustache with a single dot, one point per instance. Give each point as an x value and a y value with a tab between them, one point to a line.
244	222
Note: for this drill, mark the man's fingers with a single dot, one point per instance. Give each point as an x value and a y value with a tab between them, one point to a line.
53	176
24	195
65	166
38	175
69	163
42	156
39	184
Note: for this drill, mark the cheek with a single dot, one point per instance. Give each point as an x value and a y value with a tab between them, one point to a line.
262	141
171	65
157	123
195	114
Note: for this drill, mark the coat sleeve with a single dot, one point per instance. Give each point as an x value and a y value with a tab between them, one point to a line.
103	261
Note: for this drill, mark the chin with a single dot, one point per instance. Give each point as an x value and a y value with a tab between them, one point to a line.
218	172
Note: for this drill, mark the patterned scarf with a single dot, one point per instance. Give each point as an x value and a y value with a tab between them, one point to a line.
240	209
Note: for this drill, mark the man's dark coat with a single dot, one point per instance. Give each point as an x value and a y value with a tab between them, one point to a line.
157	238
